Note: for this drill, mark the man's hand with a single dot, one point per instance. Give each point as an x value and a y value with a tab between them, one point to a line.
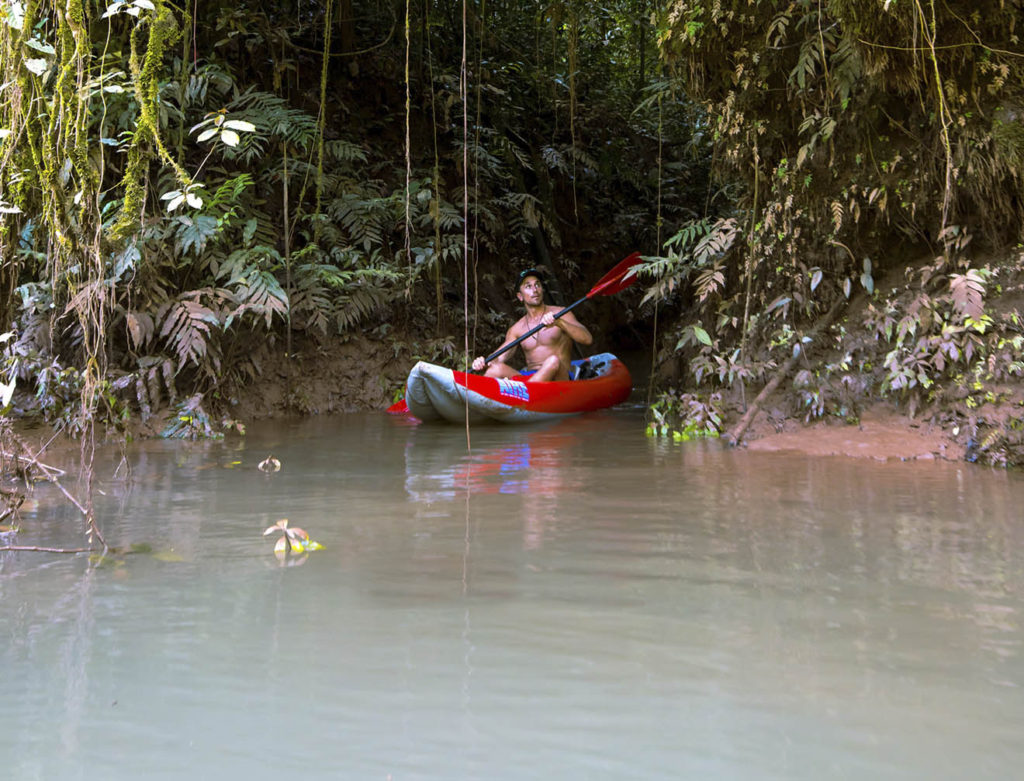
548	319
479	364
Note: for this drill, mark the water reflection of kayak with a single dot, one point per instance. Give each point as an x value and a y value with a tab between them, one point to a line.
435	393
536	460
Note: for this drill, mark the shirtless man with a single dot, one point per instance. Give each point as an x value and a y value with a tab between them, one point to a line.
548	351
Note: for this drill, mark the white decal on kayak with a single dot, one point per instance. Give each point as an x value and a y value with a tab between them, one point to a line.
513	388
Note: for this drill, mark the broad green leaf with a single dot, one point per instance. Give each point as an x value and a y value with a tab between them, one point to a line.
194	200
816	278
238	124
145	4
40	46
207	134
15	14
37	66
229	137
702	335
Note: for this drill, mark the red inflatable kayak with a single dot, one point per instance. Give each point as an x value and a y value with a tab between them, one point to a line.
436	393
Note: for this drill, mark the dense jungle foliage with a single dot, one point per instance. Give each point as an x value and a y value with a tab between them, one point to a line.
187	189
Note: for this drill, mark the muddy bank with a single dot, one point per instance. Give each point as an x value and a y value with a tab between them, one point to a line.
883	434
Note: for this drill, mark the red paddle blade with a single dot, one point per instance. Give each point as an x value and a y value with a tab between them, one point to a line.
398	408
618	278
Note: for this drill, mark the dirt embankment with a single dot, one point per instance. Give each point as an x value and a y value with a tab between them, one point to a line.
882	434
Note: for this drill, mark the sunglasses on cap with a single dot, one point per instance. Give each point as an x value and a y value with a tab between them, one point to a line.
530	272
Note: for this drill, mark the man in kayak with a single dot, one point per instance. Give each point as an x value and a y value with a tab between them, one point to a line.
548	352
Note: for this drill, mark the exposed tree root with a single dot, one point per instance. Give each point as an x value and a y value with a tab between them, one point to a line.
735	436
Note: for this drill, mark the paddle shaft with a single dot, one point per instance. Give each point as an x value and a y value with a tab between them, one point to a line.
533	330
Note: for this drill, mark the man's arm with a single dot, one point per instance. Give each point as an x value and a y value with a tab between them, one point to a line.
571	326
510	336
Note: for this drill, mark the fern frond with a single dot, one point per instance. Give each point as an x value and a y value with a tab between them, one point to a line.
186	324
259	292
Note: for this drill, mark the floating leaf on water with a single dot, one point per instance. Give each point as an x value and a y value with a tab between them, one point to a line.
282	545
140	547
281	525
270	464
291	560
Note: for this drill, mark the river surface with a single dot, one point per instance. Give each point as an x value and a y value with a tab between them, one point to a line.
564	601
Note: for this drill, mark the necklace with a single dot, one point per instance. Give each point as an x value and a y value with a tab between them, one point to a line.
530	326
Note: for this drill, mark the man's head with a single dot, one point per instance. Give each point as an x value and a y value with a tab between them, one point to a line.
530	286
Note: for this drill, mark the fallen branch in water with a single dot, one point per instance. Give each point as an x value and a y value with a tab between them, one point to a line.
31	461
50	474
734	437
42	549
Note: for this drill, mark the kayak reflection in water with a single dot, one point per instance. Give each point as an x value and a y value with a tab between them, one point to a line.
547	352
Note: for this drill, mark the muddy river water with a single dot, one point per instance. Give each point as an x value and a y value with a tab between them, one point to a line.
573	600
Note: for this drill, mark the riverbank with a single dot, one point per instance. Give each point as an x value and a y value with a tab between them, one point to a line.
882	434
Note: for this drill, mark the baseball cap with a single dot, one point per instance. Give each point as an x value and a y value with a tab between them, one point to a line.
530	272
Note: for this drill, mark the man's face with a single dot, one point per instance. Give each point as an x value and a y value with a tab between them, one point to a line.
531	291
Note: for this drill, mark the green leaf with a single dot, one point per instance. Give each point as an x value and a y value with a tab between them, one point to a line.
195	232
702	335
868	282
40	46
